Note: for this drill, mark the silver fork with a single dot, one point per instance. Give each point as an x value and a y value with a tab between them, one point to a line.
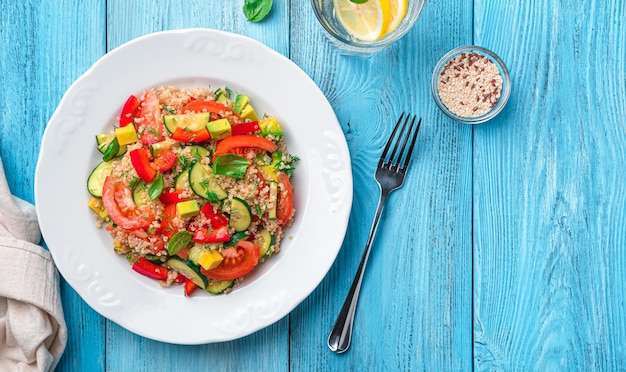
389	176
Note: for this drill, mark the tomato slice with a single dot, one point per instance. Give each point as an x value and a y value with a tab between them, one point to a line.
238	261
141	162
219	235
213	107
118	202
228	144
284	209
149	119
167	227
165	161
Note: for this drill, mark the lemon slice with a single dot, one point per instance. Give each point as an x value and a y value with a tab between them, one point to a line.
368	21
397	8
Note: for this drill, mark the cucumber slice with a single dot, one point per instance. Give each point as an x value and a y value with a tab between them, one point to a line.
181	183
204	184
264	240
198	152
96	179
192	122
271	214
219	286
103	141
240	215
188	270
140	194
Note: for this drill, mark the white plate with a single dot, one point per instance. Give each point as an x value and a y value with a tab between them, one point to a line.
192	58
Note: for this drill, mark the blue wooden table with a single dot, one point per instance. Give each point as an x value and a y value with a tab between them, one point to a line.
504	250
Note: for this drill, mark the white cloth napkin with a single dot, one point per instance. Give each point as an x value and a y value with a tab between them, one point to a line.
33	333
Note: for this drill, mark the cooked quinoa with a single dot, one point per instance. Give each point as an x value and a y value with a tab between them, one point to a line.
195	208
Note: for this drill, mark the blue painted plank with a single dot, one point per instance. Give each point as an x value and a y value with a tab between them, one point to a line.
549	191
42	51
415	306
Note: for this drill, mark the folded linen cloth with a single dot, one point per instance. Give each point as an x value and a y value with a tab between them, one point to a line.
33	333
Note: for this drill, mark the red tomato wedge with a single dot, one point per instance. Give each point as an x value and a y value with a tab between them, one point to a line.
228	144
214	107
238	261
165	161
141	162
118	202
129	110
149	119
284	209
167	227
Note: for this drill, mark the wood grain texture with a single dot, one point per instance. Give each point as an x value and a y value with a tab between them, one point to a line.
415	302
549	200
38	62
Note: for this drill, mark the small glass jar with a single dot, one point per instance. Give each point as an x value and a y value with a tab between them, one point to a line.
465	88
325	12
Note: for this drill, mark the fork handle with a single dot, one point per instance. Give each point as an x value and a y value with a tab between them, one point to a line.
341	334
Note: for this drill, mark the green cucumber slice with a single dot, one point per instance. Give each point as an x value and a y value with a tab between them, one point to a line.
264	240
188	270
103	141
204	183
219	286
240	215
192	122
96	179
198	152
181	183
140	194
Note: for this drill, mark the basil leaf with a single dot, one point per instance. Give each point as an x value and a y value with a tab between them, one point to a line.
358	1
178	241
155	188
231	165
112	149
256	10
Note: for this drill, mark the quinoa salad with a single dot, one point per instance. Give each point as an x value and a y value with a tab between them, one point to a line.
194	186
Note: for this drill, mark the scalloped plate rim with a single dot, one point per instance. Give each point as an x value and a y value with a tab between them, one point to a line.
106	289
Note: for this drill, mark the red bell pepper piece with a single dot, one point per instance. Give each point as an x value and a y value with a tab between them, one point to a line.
219	235
180	279
184	135
165	161
245	128
216	219
147	268
128	111
141	162
171	197
189	287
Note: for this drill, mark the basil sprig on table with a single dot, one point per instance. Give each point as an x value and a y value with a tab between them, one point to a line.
256	10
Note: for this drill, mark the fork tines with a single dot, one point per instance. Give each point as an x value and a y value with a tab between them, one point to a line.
394	160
